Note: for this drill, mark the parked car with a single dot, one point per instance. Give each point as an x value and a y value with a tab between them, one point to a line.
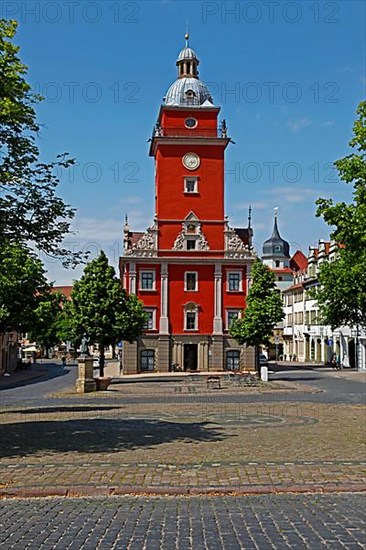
263	361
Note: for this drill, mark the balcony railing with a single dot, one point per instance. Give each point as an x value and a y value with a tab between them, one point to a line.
164	131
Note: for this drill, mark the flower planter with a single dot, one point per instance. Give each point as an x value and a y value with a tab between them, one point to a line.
102	383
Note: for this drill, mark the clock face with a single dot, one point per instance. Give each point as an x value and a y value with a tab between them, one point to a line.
191	161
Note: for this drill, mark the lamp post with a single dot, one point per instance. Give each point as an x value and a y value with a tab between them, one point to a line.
356	334
9	337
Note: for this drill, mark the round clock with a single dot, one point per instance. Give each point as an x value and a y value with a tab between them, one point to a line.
191	161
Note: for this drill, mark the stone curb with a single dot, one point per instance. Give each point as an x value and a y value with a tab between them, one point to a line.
137	490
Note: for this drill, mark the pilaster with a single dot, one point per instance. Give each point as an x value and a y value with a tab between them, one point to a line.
164	320
163	353
217	324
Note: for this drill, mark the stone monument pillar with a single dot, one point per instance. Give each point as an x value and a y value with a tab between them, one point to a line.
85	382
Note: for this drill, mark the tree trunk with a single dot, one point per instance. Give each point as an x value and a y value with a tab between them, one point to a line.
101	361
257	366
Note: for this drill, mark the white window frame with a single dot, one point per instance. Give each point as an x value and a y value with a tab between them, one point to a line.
195	190
153	271
229	310
153	311
236	272
190	307
186	273
195	319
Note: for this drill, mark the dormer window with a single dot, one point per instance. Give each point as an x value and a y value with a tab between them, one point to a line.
191	236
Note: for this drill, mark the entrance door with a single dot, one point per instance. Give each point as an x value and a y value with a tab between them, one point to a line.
190	357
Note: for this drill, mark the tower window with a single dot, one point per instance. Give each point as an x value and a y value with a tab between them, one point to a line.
234	281
277	263
191	244
231	315
147	280
191	320
190	122
191	228
191	281
190	185
150	323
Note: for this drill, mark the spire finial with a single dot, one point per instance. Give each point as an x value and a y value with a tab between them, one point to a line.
276	212
186	36
250	217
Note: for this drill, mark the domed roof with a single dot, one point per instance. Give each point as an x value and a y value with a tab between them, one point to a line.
276	246
187	53
187	91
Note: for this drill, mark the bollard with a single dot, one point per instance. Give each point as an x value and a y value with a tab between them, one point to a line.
264	374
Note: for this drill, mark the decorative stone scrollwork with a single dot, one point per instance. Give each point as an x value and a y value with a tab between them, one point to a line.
184	235
147	245
234	246
179	241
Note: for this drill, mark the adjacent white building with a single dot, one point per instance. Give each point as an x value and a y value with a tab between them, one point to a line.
304	338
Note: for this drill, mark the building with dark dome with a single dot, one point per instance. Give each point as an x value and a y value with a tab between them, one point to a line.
276	251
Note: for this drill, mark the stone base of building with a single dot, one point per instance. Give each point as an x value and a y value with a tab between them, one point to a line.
186	353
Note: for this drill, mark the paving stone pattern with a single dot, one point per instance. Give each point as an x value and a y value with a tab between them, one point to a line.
261	522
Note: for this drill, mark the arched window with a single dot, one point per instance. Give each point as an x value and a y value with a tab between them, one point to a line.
233	360
147	360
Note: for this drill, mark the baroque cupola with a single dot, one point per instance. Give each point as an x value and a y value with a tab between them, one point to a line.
188	89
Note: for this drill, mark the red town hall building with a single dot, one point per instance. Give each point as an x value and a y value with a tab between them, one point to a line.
190	268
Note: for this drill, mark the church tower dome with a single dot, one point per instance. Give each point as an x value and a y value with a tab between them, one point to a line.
188	89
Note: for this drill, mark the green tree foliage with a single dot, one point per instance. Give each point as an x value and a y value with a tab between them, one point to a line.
103	310
342	292
22	283
45	327
30	210
263	309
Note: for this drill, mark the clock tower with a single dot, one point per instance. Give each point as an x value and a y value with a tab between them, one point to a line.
190	268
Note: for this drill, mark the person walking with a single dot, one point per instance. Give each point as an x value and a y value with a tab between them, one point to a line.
63	361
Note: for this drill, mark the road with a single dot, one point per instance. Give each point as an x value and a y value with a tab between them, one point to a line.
231	523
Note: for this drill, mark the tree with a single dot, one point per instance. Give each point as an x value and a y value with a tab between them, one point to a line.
22	283
30	210
341	293
45	327
263	310
103	310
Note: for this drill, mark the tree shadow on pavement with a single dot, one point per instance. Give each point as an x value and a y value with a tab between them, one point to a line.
99	435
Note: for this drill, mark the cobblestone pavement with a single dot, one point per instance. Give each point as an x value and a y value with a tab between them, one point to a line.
256	522
117	448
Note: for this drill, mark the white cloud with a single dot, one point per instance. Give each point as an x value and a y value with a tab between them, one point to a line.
297	124
328	123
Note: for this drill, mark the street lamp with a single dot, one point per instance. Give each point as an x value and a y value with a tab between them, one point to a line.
355	334
9	337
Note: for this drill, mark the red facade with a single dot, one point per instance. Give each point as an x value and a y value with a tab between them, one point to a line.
190	268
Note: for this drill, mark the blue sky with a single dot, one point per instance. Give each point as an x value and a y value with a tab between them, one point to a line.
288	76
